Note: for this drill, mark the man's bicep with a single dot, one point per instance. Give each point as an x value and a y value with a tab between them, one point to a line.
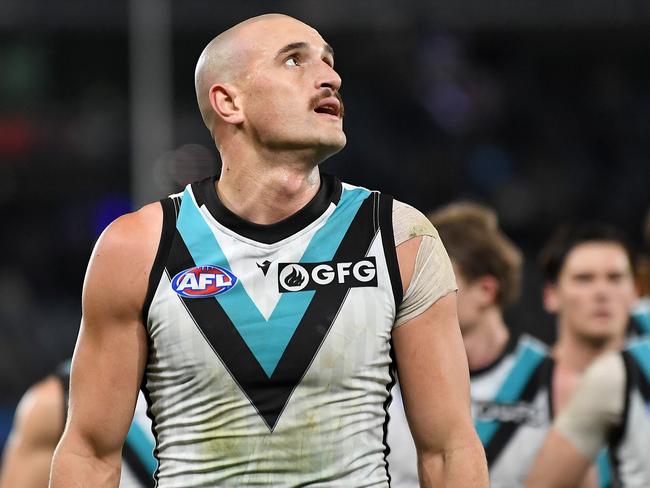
434	377
105	377
111	349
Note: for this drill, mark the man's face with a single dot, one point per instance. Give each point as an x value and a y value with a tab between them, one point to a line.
594	292
290	90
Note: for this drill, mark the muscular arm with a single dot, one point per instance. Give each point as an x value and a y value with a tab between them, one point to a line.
37	427
110	354
583	426
434	380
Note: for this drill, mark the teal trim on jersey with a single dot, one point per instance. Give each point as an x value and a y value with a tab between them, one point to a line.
643	319
640	351
604	469
528	359
143	447
290	309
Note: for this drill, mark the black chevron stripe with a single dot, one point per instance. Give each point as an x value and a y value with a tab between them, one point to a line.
139	470
541	378
270	395
636	377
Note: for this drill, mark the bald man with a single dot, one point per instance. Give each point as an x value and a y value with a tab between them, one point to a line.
260	310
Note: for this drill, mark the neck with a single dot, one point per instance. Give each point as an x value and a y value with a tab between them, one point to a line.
486	340
266	189
577	352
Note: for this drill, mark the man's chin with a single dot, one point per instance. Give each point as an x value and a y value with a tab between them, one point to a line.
598	337
329	148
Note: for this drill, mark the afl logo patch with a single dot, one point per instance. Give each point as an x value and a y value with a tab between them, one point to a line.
203	281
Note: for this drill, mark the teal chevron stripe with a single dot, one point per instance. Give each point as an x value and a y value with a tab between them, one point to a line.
240	308
143	446
526	362
604	469
641	352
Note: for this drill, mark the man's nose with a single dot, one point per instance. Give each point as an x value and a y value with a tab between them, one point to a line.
603	289
328	78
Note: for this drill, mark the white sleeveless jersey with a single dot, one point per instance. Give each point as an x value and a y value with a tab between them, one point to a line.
629	447
511	408
269	346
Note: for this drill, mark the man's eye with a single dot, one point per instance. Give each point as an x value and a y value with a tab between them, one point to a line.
292	61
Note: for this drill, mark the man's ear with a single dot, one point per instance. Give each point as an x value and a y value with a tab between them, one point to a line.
550	298
226	103
489	288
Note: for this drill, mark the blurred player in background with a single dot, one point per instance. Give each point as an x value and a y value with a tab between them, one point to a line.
258	308
38	424
609	408
518	384
590	286
488	271
588	269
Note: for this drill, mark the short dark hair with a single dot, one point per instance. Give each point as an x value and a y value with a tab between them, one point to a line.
570	235
473	240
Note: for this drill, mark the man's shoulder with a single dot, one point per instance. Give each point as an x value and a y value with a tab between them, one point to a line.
134	230
409	222
124	254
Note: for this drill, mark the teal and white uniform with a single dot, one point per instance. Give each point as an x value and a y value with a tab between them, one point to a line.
611	406
630	453
511	408
269	360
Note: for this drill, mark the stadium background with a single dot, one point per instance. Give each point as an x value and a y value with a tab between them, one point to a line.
540	109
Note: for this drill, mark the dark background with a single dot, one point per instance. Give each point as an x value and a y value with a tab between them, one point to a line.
540	109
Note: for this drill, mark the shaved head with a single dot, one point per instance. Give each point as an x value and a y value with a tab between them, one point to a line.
227	57
268	84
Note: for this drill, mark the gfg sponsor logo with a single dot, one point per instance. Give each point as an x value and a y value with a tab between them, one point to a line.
294	277
203	281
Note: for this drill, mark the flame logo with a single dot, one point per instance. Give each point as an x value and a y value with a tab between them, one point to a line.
294	279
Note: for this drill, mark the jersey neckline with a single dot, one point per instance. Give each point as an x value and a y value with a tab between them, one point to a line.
329	192
512	342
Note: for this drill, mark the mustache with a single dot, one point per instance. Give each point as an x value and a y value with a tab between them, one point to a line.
329	93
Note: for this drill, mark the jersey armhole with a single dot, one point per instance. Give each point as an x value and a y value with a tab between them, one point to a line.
168	227
388	241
